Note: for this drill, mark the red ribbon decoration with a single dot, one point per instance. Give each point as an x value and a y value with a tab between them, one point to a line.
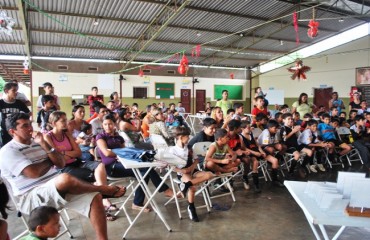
313	30
295	23
232	75
184	65
195	52
141	73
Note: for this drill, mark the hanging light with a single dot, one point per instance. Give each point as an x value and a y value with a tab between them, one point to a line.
281	42
96	22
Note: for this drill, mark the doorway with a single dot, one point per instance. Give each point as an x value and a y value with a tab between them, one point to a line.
322	96
186	99
200	100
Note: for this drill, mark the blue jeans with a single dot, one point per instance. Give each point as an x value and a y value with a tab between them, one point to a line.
116	169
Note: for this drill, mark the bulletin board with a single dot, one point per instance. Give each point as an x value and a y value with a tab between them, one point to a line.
235	91
275	96
164	90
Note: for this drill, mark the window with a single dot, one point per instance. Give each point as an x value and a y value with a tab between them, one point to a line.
140	92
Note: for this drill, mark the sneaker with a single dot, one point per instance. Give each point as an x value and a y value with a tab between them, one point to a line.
321	167
313	168
246	186
193	214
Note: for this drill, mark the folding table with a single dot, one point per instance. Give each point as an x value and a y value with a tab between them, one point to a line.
317	216
166	159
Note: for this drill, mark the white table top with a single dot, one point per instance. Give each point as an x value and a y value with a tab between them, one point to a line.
319	216
167	159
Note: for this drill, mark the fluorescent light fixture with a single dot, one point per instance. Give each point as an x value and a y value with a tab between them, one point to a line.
12	57
332	42
76	59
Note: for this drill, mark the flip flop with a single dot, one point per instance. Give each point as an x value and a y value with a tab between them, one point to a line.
110	217
116	193
138	208
111	208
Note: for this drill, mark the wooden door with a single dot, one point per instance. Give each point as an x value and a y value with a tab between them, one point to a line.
322	97
186	99
200	100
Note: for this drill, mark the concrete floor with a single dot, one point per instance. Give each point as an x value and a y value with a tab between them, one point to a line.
273	214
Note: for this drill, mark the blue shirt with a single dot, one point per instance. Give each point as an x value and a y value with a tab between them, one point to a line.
326	131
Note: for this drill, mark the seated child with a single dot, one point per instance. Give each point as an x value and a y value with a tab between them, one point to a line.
351	118
220	158
289	136
296	119
361	137
367	122
261	121
307	117
187	171
88	142
309	139
278	118
268	140
253	152
327	133
44	223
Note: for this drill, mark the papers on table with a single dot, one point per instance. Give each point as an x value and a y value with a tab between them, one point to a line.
349	189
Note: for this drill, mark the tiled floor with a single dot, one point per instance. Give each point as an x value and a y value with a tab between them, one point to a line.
273	214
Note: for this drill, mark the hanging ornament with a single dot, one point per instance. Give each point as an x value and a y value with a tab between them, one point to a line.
231	75
299	70
313	29
195	52
295	23
6	23
141	73
26	65
184	65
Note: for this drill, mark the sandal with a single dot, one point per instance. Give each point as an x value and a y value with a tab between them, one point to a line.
110	217
111	208
119	192
136	207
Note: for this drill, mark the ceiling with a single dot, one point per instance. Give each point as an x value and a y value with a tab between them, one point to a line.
233	33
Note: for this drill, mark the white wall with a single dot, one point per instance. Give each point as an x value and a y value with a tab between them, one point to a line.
335	67
66	84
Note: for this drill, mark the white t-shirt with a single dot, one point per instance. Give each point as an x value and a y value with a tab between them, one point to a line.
265	138
306	137
14	157
97	126
181	153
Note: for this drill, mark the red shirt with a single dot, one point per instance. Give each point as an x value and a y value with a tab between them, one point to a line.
91	99
256	111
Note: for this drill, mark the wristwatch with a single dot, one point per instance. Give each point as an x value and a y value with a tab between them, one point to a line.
50	151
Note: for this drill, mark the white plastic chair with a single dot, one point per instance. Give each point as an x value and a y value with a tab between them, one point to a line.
128	141
199	150
352	155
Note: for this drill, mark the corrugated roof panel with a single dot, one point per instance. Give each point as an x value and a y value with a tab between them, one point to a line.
16	37
71	52
12	49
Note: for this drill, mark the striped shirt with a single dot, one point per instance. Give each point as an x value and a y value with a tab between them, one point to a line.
15	157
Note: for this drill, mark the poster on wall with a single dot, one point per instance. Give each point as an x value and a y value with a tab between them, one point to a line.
363	76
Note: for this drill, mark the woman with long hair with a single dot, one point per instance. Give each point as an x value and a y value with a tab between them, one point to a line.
109	139
217	115
302	105
62	141
117	102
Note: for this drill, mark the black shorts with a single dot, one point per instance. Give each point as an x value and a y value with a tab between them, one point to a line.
179	175
82	170
291	150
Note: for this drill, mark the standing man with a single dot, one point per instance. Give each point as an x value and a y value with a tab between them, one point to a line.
22	96
224	103
9	104
94	97
49	90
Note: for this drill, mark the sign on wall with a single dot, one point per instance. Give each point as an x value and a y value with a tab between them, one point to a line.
164	90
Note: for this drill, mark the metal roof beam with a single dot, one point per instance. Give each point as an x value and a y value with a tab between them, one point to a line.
235	14
109	49
146	23
156	28
156	40
22	19
9	73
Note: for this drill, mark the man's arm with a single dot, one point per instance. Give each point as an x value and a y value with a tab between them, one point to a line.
38	169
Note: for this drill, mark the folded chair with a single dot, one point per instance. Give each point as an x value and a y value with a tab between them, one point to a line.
199	150
344	135
160	144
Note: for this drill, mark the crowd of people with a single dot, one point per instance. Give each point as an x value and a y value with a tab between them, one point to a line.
57	166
